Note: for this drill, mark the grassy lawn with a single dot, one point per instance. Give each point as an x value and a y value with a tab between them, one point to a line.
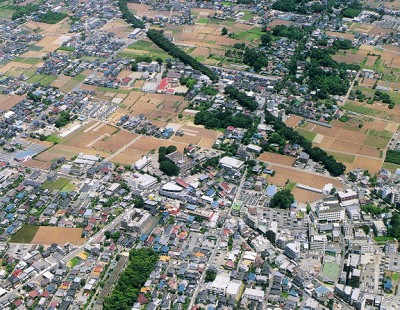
68	188
344	158
380	133
249	35
25	234
54	139
203	20
391	167
141	45
382	239
113	90
309	135
79	77
247	15
31	60
395	276
57	184
73	262
285	294
360	109
6	12
27	60
229	22
42	79
376	142
227	3
35	48
153	53
291	185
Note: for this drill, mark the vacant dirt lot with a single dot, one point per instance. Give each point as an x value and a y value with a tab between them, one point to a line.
149	143
303	177
60	235
114	142
293	120
372	165
305	196
8	101
277	158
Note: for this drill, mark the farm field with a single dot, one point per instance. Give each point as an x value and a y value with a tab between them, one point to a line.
156	107
358	143
60	235
25	234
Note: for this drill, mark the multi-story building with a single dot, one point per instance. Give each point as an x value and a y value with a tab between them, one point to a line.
292	250
330	213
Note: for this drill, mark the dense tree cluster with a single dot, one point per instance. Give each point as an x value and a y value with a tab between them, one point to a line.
141	263
254	59
393	157
394	226
283	199
221	119
352	9
52	17
290	32
297	6
242	99
166	166
161	41
63	119
371	209
128	16
384	97
210	275
21	11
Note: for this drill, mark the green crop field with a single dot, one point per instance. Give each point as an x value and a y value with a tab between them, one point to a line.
25	234
57	184
360	109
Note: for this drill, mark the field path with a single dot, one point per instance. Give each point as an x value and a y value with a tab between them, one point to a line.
122	149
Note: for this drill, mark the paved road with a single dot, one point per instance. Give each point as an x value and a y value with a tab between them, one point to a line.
213	253
343	102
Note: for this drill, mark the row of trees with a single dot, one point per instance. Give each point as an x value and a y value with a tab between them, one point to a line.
166	166
141	263
128	16
221	119
317	154
164	43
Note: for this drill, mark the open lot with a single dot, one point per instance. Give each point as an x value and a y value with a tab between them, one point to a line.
282	174
277	159
305	196
8	101
60	235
